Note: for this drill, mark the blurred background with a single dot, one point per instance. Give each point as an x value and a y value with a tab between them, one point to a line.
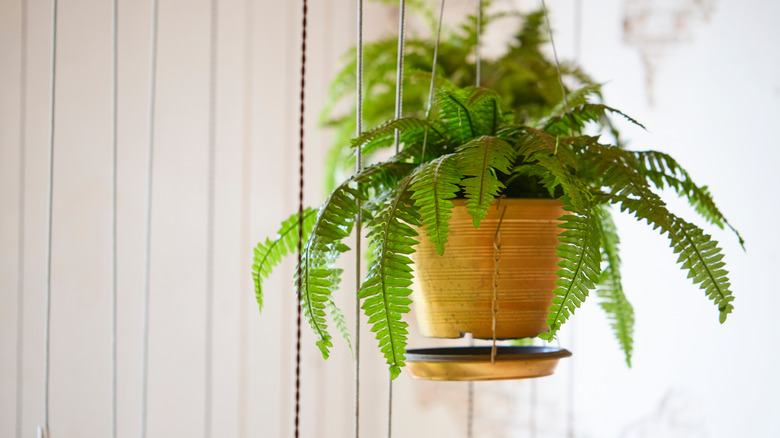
702	75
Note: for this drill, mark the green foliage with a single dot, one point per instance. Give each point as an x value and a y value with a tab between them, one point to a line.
316	275
479	160
610	288
385	290
580	265
432	188
268	254
629	189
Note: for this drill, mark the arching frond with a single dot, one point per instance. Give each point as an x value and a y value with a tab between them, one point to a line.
575	121
699	254
610	288
664	171
580	260
432	188
556	157
341	323
317	274
385	291
269	254
479	160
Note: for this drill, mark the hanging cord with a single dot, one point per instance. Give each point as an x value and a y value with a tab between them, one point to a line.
300	228
20	242
114	125
399	79
148	243
496	259
358	231
578	12
532	411
43	430
470	401
433	79
555	56
573	323
211	182
478	62
246	213
477	51
399	74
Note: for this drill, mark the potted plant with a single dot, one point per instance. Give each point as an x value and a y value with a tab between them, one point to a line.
470	152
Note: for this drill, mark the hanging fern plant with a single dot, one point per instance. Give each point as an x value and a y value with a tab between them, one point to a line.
472	147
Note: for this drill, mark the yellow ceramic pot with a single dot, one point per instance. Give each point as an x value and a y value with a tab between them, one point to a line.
454	292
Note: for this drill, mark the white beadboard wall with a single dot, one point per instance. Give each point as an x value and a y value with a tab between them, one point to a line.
715	99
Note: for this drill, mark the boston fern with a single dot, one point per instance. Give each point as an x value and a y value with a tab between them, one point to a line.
523	76
470	148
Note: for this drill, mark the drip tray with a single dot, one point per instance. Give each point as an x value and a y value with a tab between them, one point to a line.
473	363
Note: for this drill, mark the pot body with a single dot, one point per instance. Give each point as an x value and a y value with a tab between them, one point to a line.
454	292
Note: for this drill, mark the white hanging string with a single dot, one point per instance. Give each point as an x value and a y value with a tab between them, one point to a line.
114	86
570	388
399	78
358	231
246	213
148	243
555	56
21	237
399	74
479	41
433	80
210	213
573	322
43	430
478	62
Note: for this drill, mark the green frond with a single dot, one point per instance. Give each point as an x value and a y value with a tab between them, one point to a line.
575	121
479	160
454	112
664	171
385	291
269	254
580	265
556	157
699	254
432	188
610	288
341	323
316	275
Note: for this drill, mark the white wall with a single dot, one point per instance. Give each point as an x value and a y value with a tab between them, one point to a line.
716	97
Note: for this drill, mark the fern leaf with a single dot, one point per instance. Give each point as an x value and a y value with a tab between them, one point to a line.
479	160
556	157
454	112
699	254
664	171
580	259
432	188
341	323
316	275
385	291
269	254
574	121
610	290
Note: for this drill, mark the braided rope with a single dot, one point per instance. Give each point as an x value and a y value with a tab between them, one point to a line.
300	227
